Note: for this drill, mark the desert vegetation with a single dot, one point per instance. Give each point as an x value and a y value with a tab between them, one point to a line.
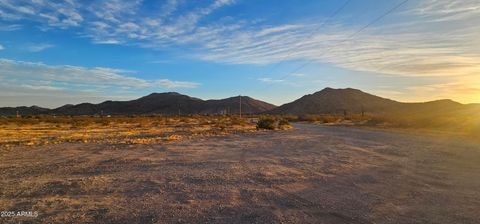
41	130
273	123
459	123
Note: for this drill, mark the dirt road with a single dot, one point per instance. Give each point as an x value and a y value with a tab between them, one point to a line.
313	174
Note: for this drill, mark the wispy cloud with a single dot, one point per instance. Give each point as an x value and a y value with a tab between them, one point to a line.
115	21
161	62
32	73
438	39
1	47
37	47
41	87
442	10
110	41
29	83
11	27
269	80
298	74
62	14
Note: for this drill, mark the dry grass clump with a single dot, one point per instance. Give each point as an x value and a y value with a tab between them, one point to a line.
465	125
322	118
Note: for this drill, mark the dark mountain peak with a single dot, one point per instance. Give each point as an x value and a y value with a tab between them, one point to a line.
66	106
330	101
23	110
237	98
232	105
326	101
166	103
326	90
35	107
330	90
445	101
165	94
153	95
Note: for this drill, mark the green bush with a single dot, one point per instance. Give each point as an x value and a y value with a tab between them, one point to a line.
266	123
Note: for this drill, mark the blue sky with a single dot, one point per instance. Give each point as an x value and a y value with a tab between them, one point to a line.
58	52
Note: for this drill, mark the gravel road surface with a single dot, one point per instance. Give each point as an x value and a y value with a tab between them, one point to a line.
312	174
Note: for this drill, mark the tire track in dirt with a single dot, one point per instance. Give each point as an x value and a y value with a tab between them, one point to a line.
305	205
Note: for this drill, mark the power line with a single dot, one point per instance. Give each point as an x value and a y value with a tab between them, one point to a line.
344	40
313	32
325	21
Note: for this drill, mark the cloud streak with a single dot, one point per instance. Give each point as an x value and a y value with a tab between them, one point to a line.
269	80
32	73
62	14
38	47
11	27
27	83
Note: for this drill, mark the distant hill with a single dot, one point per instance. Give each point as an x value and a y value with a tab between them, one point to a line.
155	103
326	101
331	101
12	111
232	105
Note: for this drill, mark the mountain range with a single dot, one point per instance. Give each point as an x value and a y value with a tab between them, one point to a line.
335	101
326	101
156	103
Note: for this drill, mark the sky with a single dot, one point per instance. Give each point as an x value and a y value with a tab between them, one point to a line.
55	52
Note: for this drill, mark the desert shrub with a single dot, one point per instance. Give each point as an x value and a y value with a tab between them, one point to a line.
328	118
322	118
24	121
283	122
266	123
221	124
289	117
103	121
237	121
80	122
185	120
3	121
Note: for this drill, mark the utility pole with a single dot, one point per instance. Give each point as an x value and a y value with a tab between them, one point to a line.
240	99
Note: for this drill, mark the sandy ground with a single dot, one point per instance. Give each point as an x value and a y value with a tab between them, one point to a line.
313	174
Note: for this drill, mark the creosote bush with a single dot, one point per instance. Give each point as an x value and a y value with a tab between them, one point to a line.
266	123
